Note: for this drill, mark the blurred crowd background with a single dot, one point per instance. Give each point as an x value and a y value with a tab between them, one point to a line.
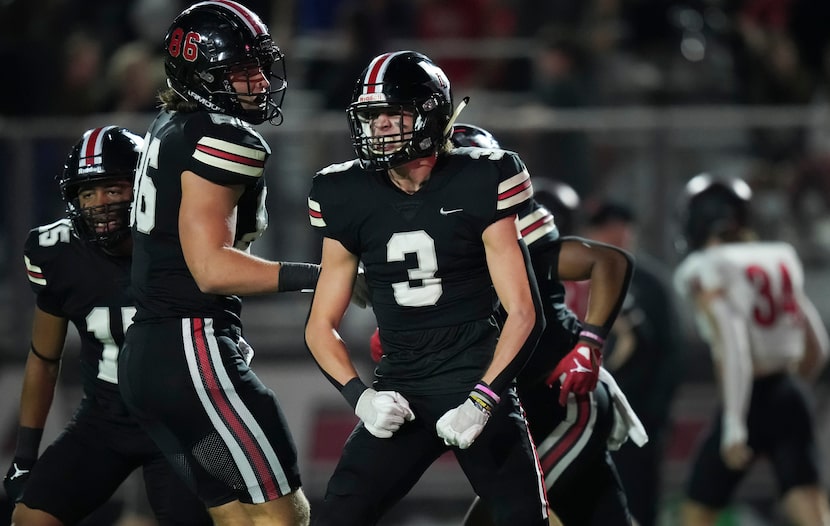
623	100
89	56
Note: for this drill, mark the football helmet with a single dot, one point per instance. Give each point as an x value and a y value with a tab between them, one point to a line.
211	40
561	200
399	83
101	155
470	135
713	205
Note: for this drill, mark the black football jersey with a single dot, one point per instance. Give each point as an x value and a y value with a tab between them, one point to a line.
77	281
224	150
423	254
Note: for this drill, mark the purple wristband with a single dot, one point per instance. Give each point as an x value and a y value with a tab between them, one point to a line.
592	337
484	388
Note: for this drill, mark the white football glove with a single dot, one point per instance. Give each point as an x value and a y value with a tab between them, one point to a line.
246	350
462	425
383	412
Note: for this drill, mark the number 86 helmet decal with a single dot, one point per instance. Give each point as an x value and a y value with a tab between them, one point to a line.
210	41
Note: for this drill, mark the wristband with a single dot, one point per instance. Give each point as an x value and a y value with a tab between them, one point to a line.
352	391
484	398
297	276
28	442
593	334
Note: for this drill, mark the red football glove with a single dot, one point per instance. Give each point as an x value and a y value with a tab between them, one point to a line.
578	371
375	346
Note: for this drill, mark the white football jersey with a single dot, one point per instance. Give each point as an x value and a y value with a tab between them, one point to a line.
764	282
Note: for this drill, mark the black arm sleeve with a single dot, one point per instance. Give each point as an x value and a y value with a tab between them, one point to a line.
504	378
297	276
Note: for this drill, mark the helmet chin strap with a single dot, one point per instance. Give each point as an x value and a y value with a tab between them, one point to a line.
455	115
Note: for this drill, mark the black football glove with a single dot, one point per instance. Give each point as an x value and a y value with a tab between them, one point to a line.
16	477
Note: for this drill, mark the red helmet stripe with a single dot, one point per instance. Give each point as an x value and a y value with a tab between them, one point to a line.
93	146
376	71
249	17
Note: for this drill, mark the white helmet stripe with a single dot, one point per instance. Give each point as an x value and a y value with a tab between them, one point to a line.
92	147
246	15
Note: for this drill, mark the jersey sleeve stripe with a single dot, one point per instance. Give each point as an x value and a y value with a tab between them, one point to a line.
535	225
228	149
34	272
514	190
230	156
226	165
315	216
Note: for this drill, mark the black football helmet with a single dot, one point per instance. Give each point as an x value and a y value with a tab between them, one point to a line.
207	42
562	201
397	83
470	135
101	155
713	205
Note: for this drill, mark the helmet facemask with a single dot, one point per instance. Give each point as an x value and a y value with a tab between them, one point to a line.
104	157
403	142
105	225
404	85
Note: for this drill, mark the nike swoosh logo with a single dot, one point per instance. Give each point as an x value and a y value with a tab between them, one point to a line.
448	212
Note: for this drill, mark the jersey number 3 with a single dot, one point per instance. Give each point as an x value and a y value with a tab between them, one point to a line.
423	288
